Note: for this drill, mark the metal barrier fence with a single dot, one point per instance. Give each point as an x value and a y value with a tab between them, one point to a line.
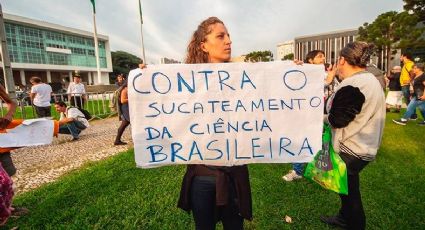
98	104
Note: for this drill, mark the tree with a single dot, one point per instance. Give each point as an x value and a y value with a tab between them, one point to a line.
122	62
417	7
259	56
288	57
391	31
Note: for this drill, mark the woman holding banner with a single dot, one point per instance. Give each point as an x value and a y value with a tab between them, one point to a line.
214	193
356	113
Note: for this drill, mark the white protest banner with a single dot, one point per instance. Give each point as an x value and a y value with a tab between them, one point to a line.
30	133
226	114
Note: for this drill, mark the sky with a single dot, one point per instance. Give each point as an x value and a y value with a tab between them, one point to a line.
168	24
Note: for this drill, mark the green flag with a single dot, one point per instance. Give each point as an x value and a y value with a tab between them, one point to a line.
94	6
140	11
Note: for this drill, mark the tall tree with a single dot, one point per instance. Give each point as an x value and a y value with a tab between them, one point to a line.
259	56
417	7
122	62
392	30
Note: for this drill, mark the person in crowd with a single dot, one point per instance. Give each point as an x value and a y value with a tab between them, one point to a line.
5	158
418	97
76	91
395	95
120	80
72	120
316	57
123	113
5	155
40	96
215	193
356	114
405	79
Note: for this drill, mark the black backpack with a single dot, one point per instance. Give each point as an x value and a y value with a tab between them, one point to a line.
86	113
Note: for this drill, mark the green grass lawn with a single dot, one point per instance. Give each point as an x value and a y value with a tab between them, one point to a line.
113	194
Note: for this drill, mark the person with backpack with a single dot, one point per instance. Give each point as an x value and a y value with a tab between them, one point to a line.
72	121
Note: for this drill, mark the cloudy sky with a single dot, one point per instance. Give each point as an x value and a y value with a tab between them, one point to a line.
168	24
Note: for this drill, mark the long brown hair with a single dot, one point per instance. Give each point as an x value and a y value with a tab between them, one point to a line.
194	52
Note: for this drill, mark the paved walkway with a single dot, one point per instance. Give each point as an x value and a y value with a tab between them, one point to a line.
43	164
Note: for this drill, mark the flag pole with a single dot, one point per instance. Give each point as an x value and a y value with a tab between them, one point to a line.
141	31
96	44
96	49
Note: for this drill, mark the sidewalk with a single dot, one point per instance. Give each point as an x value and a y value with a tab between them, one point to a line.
43	164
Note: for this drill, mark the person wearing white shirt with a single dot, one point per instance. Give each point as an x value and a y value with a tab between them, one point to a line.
40	97
72	121
76	92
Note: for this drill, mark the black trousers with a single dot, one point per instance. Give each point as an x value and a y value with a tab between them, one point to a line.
205	211
77	101
43	111
351	205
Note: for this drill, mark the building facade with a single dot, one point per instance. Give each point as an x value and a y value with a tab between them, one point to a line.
165	60
284	49
331	43
54	52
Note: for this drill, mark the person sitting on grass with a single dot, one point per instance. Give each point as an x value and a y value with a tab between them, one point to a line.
418	97
72	120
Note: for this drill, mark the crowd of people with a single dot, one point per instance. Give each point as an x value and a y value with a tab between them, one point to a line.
355	110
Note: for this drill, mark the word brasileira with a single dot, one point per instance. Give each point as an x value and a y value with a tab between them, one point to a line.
163	145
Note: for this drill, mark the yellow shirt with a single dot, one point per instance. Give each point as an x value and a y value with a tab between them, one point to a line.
404	76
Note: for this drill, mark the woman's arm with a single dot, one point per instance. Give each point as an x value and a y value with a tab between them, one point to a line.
346	104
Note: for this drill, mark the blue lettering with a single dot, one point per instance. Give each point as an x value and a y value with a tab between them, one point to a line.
173	105
221	80
295	73
246	79
213	149
192	129
272	105
283	145
225	105
134	84
152	133
181	80
174	151
192	151
283	104
217	125
265	125
154	153
319	101
244	126
152	105
239	105
213	105
260	104
255	146
198	106
306	145
179	108
205	72
154	85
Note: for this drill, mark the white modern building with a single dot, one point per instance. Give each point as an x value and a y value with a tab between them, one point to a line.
53	52
284	49
165	60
